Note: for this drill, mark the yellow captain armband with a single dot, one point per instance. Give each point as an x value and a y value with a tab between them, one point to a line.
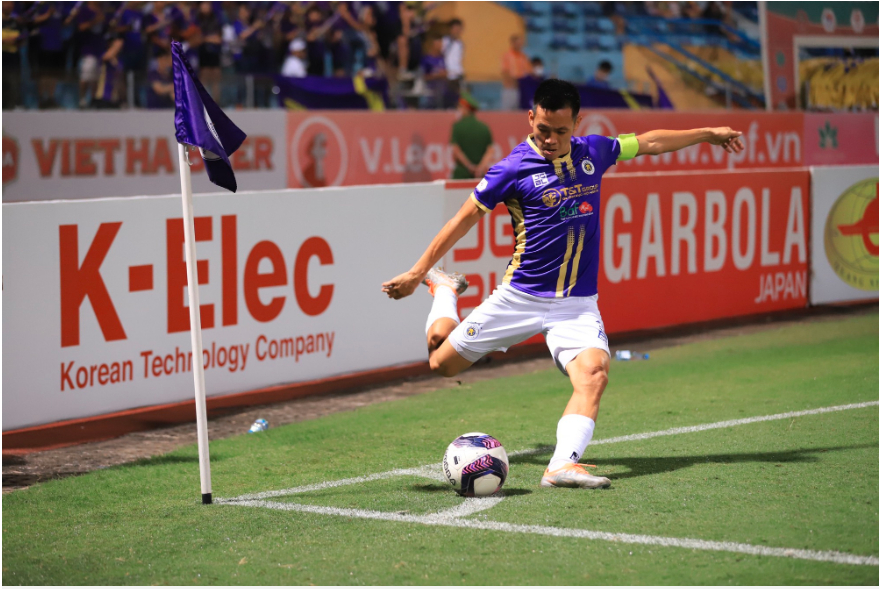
628	147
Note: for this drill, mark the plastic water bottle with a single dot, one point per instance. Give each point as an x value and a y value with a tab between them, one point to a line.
631	355
258	426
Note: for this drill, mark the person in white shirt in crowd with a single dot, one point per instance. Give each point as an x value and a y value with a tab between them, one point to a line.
295	65
452	49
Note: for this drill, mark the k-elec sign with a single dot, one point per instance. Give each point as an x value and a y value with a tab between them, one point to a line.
95	317
59	155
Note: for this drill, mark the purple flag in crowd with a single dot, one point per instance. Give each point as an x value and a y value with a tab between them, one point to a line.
201	123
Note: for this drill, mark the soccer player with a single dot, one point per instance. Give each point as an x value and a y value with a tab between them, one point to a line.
551	184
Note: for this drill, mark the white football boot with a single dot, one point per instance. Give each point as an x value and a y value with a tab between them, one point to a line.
573	475
438	277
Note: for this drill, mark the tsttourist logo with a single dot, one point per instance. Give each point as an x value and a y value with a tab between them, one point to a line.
852	242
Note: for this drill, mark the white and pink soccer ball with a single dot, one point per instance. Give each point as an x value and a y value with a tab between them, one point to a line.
476	465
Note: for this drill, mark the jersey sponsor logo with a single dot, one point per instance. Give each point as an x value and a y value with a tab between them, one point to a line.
555	196
473	330
481	185
551	198
576	210
540	180
587	166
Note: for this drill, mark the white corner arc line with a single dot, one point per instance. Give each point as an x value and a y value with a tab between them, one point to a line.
456	522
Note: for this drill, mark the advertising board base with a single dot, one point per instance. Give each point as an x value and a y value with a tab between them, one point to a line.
111	425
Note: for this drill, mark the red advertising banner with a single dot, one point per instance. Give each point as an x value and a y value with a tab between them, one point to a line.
676	248
54	155
695	247
771	140
348	148
834	139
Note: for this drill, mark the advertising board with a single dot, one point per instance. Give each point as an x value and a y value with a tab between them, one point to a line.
346	148
58	155
845	239
95	317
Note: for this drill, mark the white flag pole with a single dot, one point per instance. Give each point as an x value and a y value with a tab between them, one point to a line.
205	473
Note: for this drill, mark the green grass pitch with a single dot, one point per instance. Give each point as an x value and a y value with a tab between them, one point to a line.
808	482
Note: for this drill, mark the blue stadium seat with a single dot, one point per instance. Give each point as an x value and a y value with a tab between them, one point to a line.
568	9
536	24
565	41
605	25
592	8
536	8
564	24
591	43
608	42
538	43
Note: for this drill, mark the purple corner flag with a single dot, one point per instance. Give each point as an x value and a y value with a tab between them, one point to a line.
201	123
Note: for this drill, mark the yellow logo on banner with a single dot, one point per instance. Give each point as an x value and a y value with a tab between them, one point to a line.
852	240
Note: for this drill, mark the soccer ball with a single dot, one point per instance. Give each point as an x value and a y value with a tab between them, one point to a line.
476	465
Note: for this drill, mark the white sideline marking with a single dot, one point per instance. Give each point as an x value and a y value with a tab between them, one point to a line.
452	517
448	520
707	426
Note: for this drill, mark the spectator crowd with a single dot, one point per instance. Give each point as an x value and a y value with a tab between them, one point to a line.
102	44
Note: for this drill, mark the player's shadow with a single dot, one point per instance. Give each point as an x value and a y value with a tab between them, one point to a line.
649	465
445	488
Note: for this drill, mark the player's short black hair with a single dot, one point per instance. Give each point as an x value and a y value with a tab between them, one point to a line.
605	66
556	94
536	60
455	21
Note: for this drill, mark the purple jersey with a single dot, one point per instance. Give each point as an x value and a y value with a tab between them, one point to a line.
555	208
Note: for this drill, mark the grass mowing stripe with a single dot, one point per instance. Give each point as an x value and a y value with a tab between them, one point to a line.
429	470
452	520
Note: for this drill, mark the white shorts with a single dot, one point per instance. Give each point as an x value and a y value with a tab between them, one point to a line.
509	316
89	67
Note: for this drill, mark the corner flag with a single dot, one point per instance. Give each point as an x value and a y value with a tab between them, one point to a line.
201	123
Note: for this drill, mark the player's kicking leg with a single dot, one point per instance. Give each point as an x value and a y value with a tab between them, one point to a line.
443	318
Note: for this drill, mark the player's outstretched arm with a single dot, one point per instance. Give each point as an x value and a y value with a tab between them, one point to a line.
405	284
663	141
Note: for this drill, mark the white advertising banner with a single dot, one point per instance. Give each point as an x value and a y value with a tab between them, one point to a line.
845	239
95	315
60	155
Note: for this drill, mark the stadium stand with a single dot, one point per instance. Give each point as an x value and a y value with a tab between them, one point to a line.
106	54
